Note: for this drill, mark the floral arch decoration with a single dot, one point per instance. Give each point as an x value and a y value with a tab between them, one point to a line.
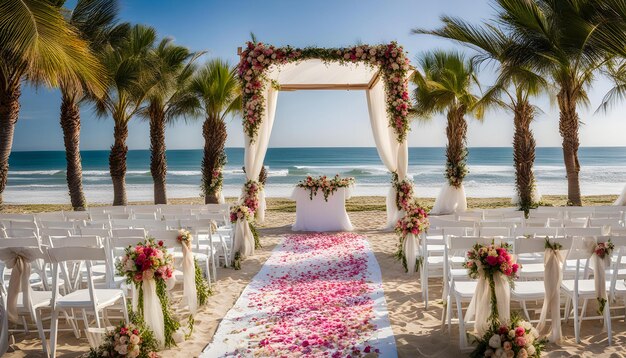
382	71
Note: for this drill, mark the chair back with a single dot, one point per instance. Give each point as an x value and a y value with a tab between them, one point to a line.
67	225
137	233
76	241
145	215
535	231
583	232
90	231
76	215
17	233
21	241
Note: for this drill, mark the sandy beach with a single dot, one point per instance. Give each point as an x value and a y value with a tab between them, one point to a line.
417	331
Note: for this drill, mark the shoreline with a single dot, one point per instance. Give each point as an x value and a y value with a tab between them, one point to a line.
354	204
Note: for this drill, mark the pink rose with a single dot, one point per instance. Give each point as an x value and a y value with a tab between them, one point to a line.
492	260
520	341
520	331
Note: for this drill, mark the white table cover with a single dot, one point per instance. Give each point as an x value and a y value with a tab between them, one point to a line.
320	215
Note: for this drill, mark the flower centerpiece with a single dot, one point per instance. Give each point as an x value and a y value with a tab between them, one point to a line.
414	222
240	212
147	266
184	237
127	340
325	185
517	339
251	195
496	270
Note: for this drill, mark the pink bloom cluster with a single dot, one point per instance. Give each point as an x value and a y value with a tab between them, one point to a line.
484	260
518	339
322	183
126	340
147	260
184	237
390	58
320	305
240	212
604	249
414	222
251	195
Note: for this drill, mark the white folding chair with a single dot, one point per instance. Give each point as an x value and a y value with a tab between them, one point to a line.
76	215
145	215
90	299
581	287
141	233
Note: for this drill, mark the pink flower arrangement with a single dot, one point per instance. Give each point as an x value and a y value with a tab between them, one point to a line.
517	339
327	186
604	249
404	191
414	222
487	260
184	237
147	260
391	59
240	212
251	195
127	340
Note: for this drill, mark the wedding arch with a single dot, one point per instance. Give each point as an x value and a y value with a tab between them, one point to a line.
382	71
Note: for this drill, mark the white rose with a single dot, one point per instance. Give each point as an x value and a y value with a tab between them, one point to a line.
527	325
534	332
122	349
134	339
395	66
499	352
495	342
529	339
512	334
531	350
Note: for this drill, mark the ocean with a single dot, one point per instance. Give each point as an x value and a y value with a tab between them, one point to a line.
39	177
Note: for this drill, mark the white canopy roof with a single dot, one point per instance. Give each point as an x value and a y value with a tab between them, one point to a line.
314	74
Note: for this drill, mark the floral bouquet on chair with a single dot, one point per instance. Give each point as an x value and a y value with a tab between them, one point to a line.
147	267
414	222
495	269
517	339
241	212
127	340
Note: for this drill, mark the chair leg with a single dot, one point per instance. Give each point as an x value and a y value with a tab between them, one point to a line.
566	313
125	309
462	331
525	310
72	322
582	313
42	335
54	322
576	319
449	313
607	322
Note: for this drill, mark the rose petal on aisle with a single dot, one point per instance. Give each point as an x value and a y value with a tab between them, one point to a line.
317	295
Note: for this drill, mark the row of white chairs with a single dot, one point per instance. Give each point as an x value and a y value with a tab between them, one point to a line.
577	282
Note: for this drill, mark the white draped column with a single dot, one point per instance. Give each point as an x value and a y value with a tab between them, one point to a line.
255	152
394	155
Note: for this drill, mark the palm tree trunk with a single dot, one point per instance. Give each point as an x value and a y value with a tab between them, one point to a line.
568	127
117	162
524	154
70	123
456	153
214	132
158	160
9	111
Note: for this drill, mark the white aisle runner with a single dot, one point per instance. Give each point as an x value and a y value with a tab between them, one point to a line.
317	295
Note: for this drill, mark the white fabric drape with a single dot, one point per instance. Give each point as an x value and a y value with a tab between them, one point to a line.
4	331
19	260
220	198
394	155
599	275
259	215
480	306
317	214
152	310
450	200
255	152
553	276
189	279
410	246
621	200
243	241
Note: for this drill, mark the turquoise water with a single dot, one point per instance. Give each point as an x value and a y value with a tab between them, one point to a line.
40	176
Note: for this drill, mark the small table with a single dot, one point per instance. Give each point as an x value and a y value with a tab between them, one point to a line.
319	215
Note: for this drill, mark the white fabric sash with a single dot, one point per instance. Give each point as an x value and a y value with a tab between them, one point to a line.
410	246
20	262
450	200
189	279
599	275
480	306
152	310
243	241
259	214
552	302
4	331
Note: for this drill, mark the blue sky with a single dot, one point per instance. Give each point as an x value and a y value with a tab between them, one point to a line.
307	118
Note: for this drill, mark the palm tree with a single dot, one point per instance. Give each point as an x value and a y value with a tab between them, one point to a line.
130	69
444	85
37	45
616	71
516	84
169	98
566	41
217	87
94	21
